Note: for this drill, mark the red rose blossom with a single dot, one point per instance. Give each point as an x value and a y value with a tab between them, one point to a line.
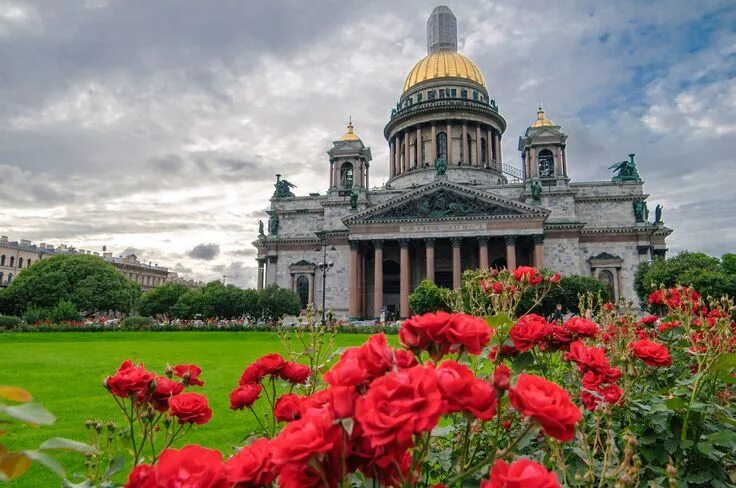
191	467
463	392
312	435
501	377
582	327
165	390
522	473
295	373
190	408
244	396
142	476
528	331
652	353
251	466
189	373
441	333
130	381
527	274
287	408
548	404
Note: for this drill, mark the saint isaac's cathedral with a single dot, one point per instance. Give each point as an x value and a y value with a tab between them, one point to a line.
450	203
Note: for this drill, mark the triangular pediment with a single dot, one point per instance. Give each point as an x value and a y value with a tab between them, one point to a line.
443	200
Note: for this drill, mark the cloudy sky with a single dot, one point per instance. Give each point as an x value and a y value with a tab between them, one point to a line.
158	126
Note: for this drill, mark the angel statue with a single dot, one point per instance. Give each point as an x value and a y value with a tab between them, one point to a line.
625	170
283	188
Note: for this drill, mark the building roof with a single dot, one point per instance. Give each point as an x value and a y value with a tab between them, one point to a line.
350	135
542	121
444	64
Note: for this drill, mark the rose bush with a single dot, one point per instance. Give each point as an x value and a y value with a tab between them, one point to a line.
484	396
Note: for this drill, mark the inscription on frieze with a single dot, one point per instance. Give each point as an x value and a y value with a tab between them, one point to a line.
447	227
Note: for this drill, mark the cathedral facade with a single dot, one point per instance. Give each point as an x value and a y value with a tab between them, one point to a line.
450	202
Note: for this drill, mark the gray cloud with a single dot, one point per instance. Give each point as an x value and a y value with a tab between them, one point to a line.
206	252
146	126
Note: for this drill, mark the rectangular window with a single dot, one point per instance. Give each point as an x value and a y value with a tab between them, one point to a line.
430	95
453	93
442	93
464	93
475	95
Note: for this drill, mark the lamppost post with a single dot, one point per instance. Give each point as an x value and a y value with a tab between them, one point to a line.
324	266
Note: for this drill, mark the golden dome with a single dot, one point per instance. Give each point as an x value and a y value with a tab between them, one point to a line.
444	64
542	121
350	135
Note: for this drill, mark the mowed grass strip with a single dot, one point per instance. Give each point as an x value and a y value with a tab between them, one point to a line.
65	371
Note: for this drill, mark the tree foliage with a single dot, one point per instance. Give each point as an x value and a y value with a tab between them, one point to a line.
88	282
427	297
567	294
161	300
709	275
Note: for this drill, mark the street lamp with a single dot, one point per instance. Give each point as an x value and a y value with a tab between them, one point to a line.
324	266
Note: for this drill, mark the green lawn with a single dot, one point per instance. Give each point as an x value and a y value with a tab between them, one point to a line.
64	372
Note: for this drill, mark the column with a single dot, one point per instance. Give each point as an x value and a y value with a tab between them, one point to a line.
564	161
271	270
483	249
407	152
354	304
457	271
449	144
311	289
539	251
397	155
293	279
510	252
404	278
419	148
261	270
477	145
500	150
377	278
429	253
332	174
392	166
367	173
490	148
433	146
464	144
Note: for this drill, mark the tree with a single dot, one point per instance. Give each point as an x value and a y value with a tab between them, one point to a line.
278	302
88	282
567	294
708	275
427	297
161	300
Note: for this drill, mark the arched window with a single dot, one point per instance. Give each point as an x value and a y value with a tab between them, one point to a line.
483	150
605	277
28	264
2	260
12	261
20	262
1	277
302	289
470	150
10	277
346	175
442	146
546	163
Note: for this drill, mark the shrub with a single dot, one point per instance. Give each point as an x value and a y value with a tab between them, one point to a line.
64	311
135	322
35	315
567	294
10	322
427	297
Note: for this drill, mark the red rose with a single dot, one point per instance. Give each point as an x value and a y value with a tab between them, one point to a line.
559	337
244	396
582	327
287	408
612	394
555	278
312	435
441	332
270	364
295	373
652	353
191	467
501	377
592	359
404	359
130	381
251	466
142	476
463	392
400	405
421	331
529	330
548	404
190	408
189	373
527	274
648	320
523	473
165	389
348	371
252	374
497	287
468	332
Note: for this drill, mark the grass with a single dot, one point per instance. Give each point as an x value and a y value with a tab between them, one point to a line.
64	372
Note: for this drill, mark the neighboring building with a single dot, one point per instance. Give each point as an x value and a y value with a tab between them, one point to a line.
16	256
450	203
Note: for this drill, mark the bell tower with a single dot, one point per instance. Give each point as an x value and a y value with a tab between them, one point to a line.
349	162
543	151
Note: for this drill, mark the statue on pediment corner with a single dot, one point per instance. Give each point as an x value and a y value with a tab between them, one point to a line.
536	190
283	188
440	167
625	170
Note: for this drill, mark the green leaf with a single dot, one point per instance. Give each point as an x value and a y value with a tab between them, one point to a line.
499	321
686	444
705	447
116	465
46	460
31	413
697	477
725	377
522	362
725	362
68	445
676	403
724	437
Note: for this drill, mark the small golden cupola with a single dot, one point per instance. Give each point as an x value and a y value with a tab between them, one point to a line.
542	121
350	135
